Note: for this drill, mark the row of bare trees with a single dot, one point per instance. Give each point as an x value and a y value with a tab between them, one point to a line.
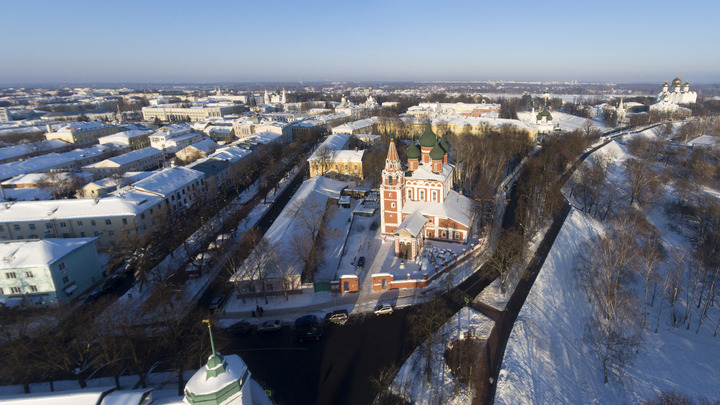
95	343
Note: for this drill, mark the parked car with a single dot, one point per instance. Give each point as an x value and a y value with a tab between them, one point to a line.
217	302
361	263
112	282
307	320
239	328
374	225
339	316
308	332
383	309
270	326
94	296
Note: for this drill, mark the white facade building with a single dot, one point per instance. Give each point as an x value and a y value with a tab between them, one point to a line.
47	271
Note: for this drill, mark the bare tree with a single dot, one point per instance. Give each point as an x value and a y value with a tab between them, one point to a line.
650	257
507	251
261	263
61	184
425	323
324	157
606	272
643	181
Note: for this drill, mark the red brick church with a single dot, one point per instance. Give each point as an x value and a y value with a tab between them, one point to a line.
419	203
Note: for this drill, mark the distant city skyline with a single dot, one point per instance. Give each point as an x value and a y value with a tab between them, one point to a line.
285	41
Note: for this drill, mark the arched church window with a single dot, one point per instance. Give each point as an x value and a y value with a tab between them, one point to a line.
409	194
422	195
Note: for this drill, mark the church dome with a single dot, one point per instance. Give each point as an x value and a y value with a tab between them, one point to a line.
687	84
677	81
437	153
428	139
444	145
412	152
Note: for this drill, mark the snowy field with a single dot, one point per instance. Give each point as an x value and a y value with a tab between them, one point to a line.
546	360
411	380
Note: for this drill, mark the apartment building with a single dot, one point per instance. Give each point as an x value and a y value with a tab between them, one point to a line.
137	139
83	134
136	161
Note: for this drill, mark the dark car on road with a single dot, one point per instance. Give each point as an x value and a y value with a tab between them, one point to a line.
94	296
374	226
217	302
339	317
239	328
361	263
308	332
307	320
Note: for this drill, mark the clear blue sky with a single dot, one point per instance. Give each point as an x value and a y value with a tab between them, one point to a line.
266	40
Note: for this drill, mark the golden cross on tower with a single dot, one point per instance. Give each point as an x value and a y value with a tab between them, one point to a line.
212	344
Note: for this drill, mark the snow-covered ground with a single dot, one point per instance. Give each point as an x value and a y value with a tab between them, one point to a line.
411	380
546	360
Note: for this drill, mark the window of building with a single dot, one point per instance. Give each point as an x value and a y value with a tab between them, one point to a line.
422	195
108	222
66	280
142	216
251	288
444	234
66	235
97	233
28	274
33	288
172	197
31	227
2	228
19	237
79	223
16	227
392	205
15	290
124	221
434	195
63	225
92	222
111	233
269	287
62	266
82	234
48	225
10	274
409	194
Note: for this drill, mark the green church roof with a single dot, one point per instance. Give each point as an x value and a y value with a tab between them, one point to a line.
412	152
544	113
428	139
437	153
444	145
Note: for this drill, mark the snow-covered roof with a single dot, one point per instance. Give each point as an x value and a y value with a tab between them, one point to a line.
83	126
233	154
704	140
424	172
37	253
128	157
413	223
355	125
34	178
88	396
456	207
124	136
349	156
28	148
202	384
263	137
206	146
128	203
45	162
334	142
168	180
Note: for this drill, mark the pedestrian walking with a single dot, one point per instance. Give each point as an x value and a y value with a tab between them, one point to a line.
257	307
253	314
262	311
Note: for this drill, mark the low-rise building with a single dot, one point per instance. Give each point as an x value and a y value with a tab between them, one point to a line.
83	134
137	139
180	187
330	159
135	161
104	218
363	126
47	271
28	150
197	150
174	138
195	113
107	185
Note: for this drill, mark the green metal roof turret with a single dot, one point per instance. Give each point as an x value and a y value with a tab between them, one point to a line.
412	152
437	153
428	139
544	113
444	145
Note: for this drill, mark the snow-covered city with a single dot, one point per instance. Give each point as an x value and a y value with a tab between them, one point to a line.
290	214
